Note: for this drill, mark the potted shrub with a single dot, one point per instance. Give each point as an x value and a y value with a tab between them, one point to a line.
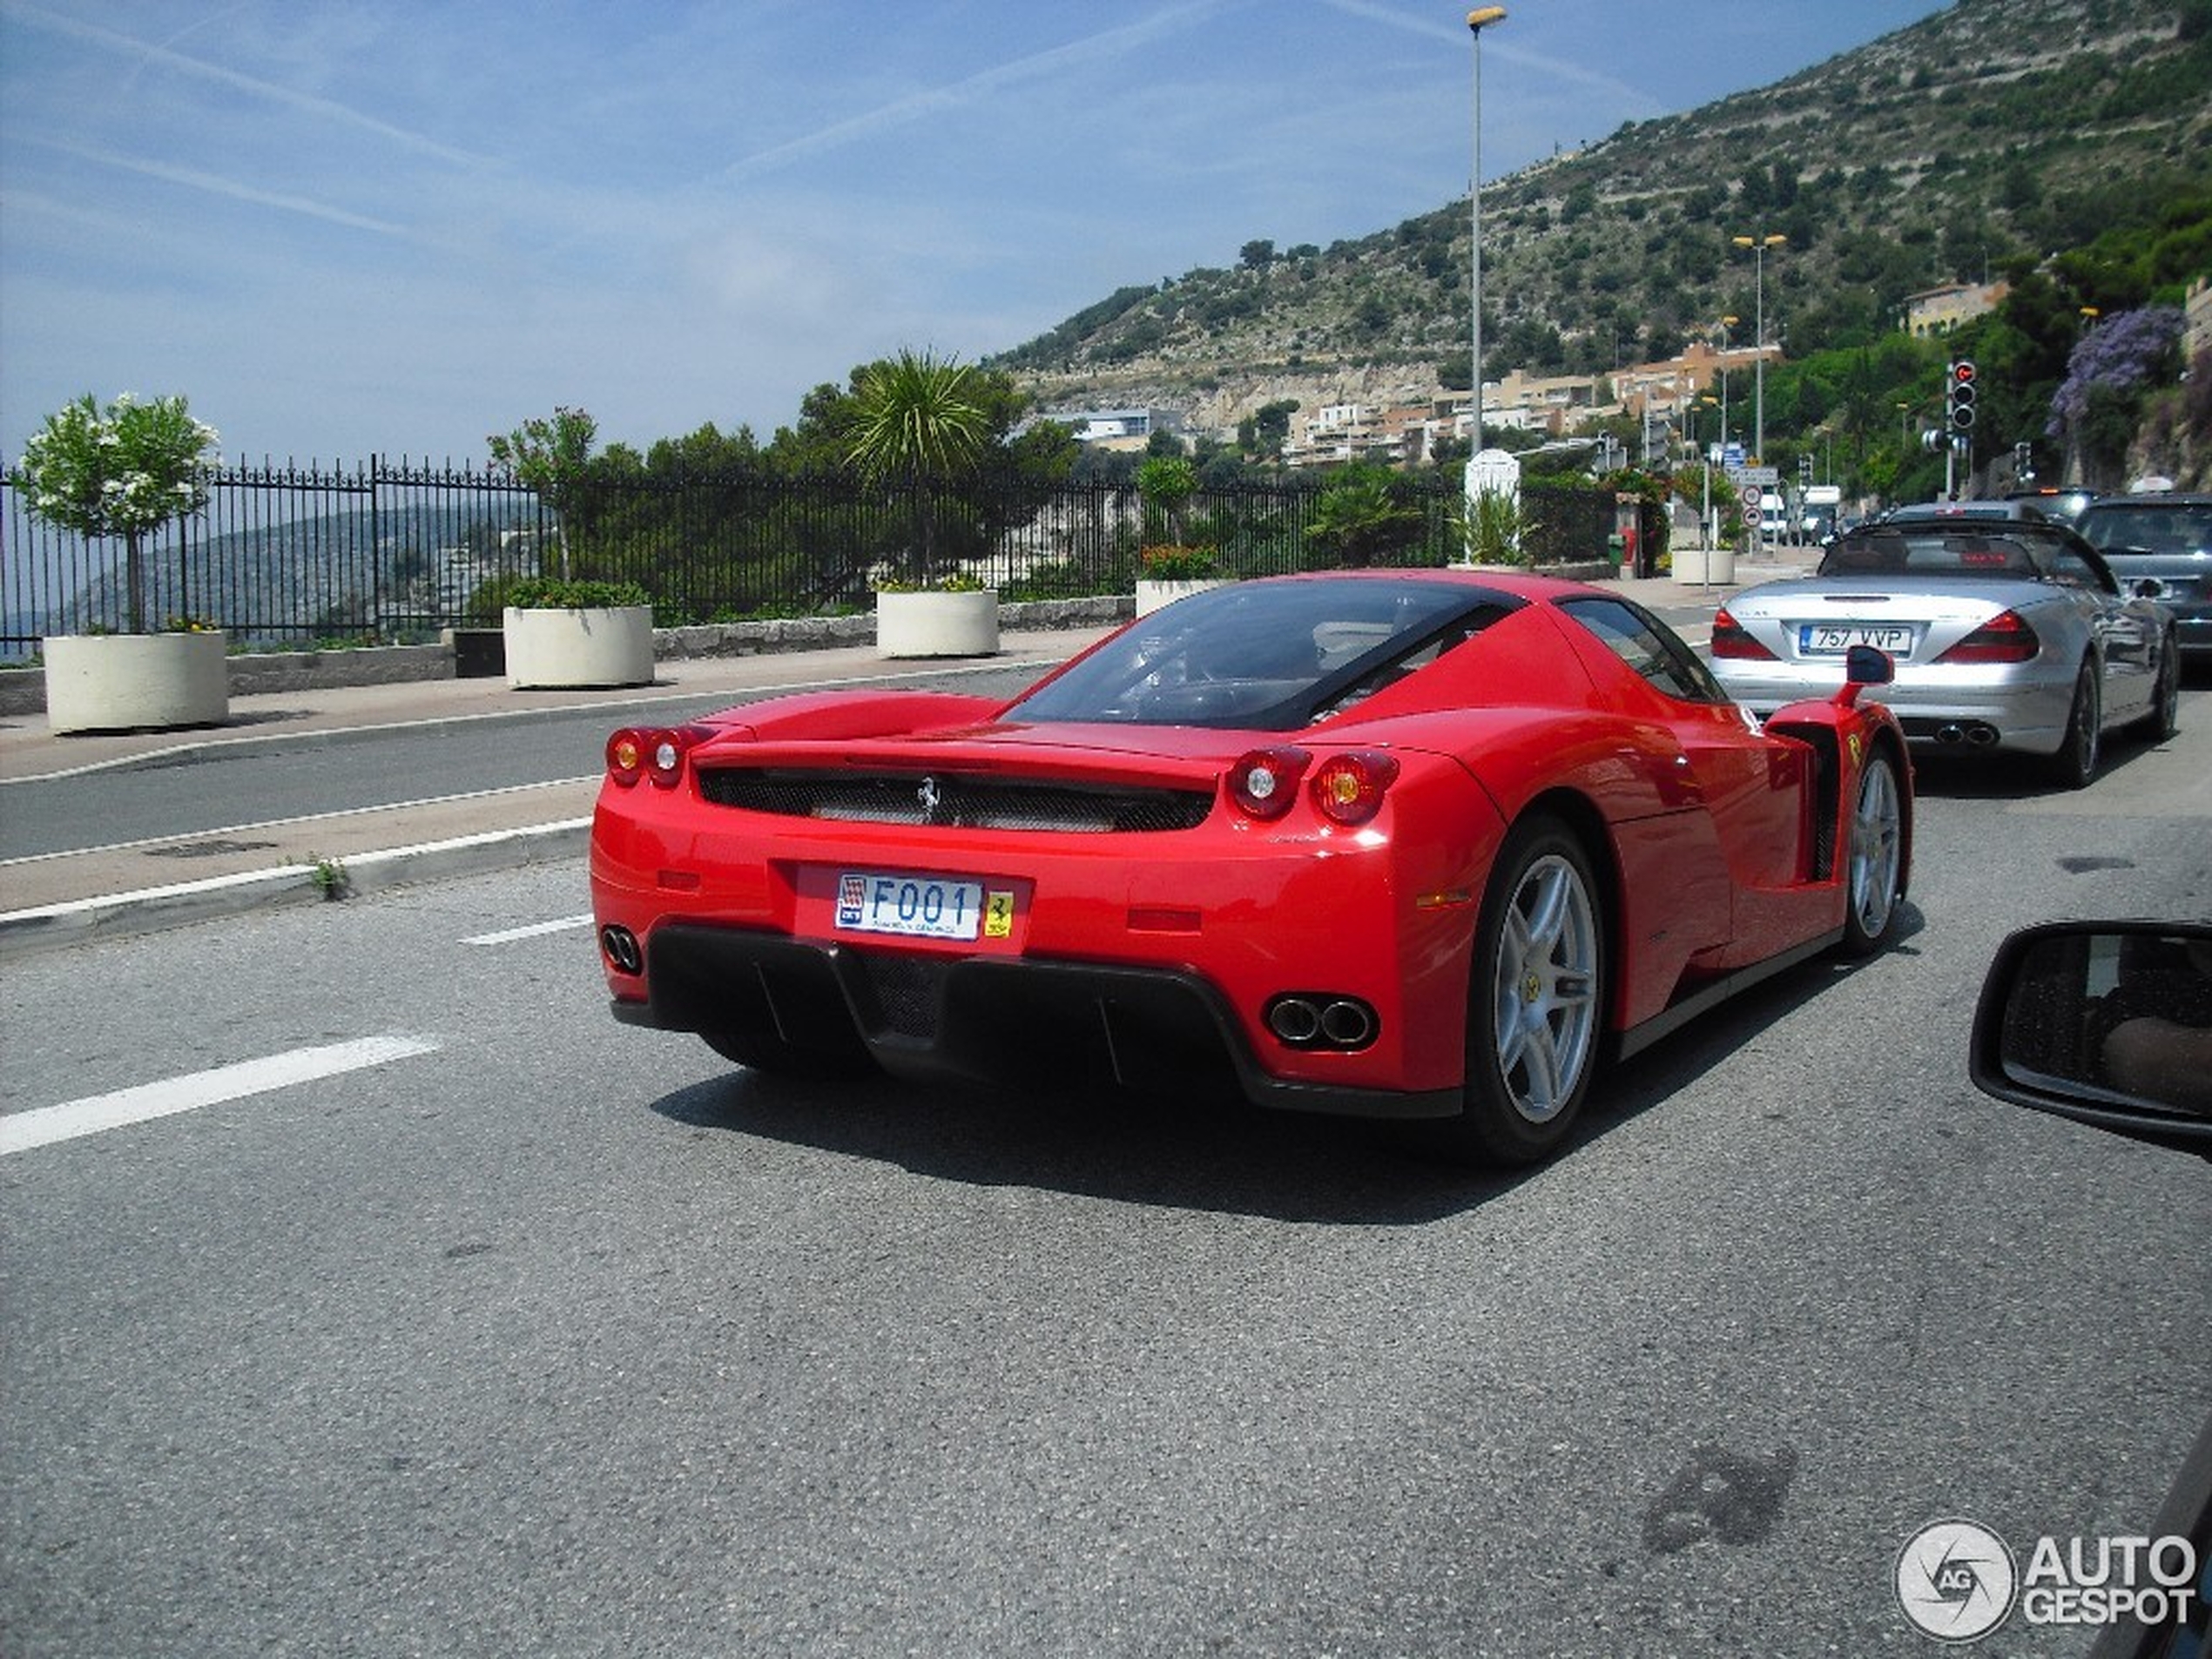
958	617
567	631
917	421
561	632
1169	571
124	472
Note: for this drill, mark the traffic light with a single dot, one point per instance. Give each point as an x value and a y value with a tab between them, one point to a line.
1962	396
1805	470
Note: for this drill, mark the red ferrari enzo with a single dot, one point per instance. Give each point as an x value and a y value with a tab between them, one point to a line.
1414	844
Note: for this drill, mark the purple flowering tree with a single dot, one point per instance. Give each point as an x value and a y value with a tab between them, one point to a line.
2099	404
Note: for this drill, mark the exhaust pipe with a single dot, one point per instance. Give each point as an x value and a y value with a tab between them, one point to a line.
1950	732
623	949
1319	1020
1294	1019
1348	1024
1981	736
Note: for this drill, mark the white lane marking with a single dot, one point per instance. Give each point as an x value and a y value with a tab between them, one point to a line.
532	932
20	1131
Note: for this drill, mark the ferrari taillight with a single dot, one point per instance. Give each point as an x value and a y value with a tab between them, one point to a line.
1731	639
652	751
1349	788
2005	638
1263	783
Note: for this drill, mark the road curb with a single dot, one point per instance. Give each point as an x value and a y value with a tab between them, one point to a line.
26	933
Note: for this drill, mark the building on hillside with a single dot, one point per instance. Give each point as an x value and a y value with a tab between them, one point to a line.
1937	311
1120	429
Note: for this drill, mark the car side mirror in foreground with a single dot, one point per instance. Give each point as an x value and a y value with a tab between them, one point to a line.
2108	1023
1864	666
1868	665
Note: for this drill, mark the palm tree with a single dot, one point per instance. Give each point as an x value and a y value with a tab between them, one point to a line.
917	421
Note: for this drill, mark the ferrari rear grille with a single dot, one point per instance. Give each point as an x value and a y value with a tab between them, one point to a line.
906	991
958	802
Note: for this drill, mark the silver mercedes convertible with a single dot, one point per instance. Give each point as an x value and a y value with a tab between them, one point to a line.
2008	633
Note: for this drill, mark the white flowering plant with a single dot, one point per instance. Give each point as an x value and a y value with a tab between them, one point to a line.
123	471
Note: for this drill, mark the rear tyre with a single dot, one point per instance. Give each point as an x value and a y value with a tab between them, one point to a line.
1536	1000
1874	859
2075	765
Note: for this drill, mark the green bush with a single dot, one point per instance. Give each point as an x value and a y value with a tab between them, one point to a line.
558	593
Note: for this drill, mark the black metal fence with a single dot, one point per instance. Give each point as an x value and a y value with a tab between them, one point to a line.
394	552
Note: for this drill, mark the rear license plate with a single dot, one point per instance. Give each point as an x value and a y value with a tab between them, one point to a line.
916	906
1834	638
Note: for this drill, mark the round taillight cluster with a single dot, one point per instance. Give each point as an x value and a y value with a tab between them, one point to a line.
654	753
1263	783
1346	789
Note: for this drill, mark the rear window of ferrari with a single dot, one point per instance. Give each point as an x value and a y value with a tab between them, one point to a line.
1265	656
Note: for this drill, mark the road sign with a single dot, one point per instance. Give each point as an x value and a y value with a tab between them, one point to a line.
1761	475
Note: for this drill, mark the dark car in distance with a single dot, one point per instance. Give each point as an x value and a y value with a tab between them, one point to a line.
2161	547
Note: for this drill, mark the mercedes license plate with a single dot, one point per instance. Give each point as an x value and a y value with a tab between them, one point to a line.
1834	638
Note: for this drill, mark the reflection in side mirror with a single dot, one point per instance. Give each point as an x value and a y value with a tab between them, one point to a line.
2108	1023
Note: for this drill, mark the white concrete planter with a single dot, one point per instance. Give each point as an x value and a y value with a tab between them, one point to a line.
1150	595
595	645
125	682
1703	566
933	624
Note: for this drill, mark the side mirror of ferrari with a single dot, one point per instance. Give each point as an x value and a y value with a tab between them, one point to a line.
1868	665
2108	1023
1864	666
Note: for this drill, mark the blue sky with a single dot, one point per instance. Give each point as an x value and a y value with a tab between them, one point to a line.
395	227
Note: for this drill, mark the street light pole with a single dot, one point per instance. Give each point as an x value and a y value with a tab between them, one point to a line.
1758	244
1480	18
1727	323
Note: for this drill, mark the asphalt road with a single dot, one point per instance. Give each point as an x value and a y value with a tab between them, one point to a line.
522	1332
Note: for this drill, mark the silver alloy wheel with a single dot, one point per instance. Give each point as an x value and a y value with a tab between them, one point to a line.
1546	1015
1875	846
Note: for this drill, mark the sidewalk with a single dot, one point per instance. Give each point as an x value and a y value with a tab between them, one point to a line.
65	898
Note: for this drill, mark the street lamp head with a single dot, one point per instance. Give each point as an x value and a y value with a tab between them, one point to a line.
1484	15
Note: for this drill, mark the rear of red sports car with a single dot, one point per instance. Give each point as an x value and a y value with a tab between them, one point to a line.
1152	868
1248	838
957	899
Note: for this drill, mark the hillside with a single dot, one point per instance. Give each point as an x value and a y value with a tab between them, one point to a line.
1983	137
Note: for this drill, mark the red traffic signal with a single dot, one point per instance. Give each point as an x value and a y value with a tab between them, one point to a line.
1961	398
